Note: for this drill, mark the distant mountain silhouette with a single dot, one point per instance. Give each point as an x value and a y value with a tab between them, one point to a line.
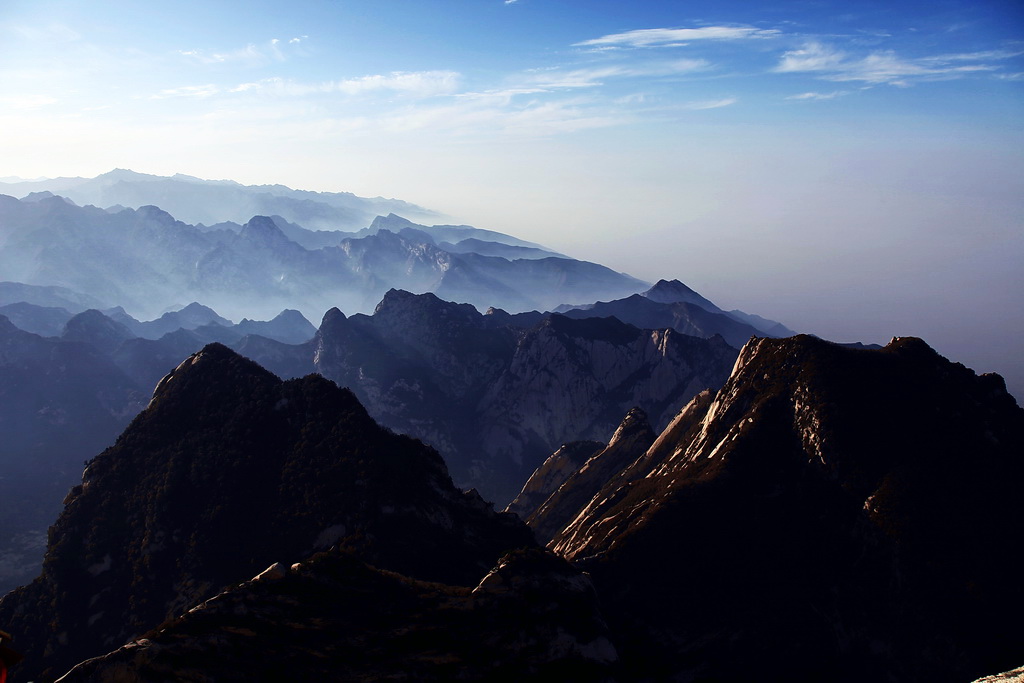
673	304
146	261
211	201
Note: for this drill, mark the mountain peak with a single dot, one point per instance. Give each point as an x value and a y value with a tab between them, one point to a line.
202	378
634	425
119	174
392	222
264	231
93	327
674	291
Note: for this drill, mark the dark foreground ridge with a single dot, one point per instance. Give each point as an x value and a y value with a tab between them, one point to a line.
227	471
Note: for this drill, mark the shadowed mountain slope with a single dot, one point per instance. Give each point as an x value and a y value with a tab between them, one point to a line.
334	618
227	471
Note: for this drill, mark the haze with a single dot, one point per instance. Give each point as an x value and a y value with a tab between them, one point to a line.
854	171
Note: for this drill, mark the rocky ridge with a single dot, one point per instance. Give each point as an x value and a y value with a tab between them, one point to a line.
819	518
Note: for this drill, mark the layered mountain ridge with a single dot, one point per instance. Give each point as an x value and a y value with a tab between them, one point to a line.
439	371
496	399
146	260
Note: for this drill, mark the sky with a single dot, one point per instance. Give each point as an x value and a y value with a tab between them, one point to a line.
855	170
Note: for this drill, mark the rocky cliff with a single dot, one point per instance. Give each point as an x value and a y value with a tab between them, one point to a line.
820	518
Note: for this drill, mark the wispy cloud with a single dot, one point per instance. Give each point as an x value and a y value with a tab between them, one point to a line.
274	50
710	104
595	76
813	56
413	83
815	96
668	37
883	66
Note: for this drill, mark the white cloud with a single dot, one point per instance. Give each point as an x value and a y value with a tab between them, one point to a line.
413	83
814	96
878	67
710	104
973	56
668	37
812	57
418	83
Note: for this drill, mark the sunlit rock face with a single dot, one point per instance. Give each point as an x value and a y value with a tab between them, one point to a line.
821	517
630	441
558	467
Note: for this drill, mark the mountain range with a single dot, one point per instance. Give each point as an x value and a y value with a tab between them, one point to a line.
690	493
142	257
217	201
820	517
494	393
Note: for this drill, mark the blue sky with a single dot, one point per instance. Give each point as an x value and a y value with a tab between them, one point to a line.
853	169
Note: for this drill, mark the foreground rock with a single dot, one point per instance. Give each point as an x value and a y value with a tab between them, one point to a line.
227	471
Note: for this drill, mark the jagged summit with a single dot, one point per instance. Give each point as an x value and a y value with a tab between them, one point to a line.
634	426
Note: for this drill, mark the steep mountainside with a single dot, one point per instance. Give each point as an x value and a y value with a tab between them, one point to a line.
631	440
496	400
227	471
823	517
559	466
